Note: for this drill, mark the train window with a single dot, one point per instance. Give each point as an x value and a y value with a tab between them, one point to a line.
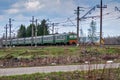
50	38
45	38
71	36
75	36
60	37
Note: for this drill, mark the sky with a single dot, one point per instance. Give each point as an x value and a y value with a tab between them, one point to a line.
62	12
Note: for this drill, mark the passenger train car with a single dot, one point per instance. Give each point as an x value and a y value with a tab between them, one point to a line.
67	38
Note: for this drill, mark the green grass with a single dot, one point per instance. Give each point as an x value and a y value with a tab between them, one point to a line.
44	76
36	52
104	50
27	52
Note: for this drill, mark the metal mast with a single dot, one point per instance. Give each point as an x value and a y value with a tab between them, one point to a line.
10	20
6	35
78	13
101	11
36	33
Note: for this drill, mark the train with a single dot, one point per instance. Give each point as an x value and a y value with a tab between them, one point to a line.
65	38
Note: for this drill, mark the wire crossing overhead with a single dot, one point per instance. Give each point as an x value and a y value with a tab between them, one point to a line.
101	15
71	21
53	27
105	6
89	12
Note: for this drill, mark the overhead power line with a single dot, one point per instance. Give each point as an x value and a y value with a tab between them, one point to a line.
71	22
89	12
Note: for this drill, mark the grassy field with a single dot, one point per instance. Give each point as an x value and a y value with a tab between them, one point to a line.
106	74
27	52
60	55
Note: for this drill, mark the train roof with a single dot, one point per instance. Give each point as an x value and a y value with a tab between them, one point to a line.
42	36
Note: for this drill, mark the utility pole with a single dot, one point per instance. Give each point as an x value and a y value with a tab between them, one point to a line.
43	30
10	20
78	13
53	28
36	33
3	36
53	24
6	35
78	19
32	31
101	15
56	30
101	23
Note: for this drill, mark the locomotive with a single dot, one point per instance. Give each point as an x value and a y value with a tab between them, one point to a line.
65	38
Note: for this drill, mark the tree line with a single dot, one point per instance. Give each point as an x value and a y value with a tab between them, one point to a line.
42	29
112	40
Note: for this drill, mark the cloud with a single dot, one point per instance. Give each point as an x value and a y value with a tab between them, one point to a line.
25	6
1	17
12	11
60	10
58	1
45	7
57	8
16	5
33	5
